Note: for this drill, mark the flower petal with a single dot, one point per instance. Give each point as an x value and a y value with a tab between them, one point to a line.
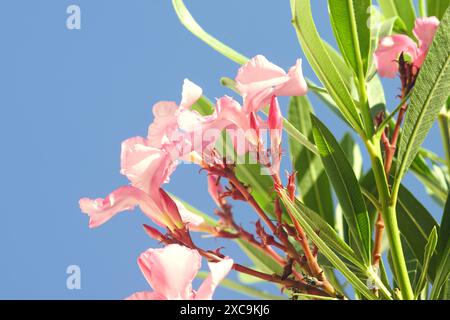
147	167
191	93
191	219
164	124
424	30
259	79
171	270
296	85
145	295
219	271
123	199
388	51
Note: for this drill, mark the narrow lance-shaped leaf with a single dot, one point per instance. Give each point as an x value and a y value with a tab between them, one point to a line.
351	20
318	57
313	185
189	22
325	249
329	235
437	8
442	261
404	9
415	223
429	251
346	187
431	90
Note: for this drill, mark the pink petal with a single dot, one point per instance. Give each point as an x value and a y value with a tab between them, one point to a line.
191	219
296	86
424	30
164	123
145	295
147	167
388	52
123	199
171	270
205	130
219	271
259	79
191	93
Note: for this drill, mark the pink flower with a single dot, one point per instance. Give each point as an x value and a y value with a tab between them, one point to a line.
171	270
165	122
164	212
259	79
147	167
390	48
148	163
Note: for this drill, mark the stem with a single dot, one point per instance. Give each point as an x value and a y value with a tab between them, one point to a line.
276	231
443	120
398	257
272	278
244	289
388	212
364	105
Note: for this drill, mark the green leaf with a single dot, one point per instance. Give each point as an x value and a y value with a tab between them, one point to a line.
328	235
249	279
242	288
353	154
415	223
442	279
437	8
444	230
429	251
324	67
431	90
404	9
434	186
313	184
442	274
262	261
345	186
189	22
350	20
325	249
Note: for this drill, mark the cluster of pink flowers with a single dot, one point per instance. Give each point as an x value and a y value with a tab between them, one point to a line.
173	136
179	133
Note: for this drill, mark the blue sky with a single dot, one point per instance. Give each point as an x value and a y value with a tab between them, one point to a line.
70	97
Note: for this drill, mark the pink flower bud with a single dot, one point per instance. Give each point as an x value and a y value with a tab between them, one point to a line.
153	233
275	120
170	209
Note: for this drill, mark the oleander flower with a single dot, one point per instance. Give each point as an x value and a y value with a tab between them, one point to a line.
259	79
166	212
390	48
170	272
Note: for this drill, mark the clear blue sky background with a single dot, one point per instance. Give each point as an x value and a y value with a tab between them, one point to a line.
69	98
